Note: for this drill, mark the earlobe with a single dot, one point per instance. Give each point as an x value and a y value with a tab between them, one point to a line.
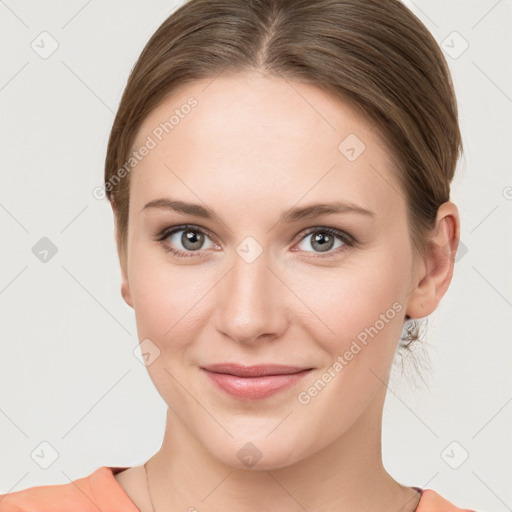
125	285
125	291
437	269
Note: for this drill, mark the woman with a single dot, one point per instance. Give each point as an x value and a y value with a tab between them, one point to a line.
279	173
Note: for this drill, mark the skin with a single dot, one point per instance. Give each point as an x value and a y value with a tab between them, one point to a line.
255	146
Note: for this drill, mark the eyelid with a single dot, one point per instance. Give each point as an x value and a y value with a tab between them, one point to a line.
343	235
347	239
166	232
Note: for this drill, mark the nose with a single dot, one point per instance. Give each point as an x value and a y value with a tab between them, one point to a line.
251	302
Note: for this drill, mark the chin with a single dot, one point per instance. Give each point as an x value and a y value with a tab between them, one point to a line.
257	453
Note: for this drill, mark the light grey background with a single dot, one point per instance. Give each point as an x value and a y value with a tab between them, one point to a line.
69	376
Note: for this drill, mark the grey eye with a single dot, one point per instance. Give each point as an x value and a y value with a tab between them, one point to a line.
188	239
322	240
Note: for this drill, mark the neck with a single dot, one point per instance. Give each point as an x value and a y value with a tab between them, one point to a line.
346	475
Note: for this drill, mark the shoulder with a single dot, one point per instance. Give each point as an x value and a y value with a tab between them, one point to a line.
431	501
97	491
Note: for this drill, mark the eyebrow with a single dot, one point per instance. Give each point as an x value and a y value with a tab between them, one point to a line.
294	214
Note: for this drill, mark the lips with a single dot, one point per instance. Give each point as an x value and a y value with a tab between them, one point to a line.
254	382
254	371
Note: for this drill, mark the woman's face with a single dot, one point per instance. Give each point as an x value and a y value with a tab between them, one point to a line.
264	278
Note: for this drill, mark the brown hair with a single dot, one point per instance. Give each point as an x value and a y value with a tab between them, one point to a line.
374	54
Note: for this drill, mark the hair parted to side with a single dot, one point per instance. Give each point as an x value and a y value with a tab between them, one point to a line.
374	54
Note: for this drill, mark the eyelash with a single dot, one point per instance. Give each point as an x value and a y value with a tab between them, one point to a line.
347	240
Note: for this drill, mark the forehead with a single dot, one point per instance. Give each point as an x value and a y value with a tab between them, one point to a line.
249	138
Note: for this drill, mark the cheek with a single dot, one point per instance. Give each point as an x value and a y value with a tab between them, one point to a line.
350	299
168	299
363	306
350	293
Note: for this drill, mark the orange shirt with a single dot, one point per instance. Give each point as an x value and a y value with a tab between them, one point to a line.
101	491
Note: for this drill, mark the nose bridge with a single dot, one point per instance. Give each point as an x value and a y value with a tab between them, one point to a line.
251	304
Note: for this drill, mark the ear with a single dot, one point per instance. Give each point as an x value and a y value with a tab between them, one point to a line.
121	253
436	271
125	286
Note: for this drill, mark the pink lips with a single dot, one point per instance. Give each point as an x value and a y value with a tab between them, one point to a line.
252	382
